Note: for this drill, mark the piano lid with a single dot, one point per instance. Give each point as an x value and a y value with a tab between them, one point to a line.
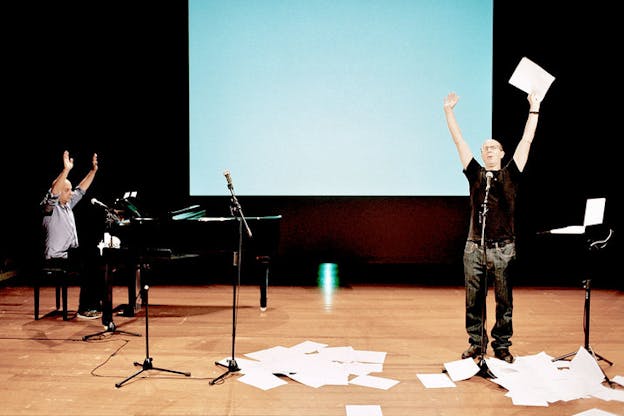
199	235
217	219
192	212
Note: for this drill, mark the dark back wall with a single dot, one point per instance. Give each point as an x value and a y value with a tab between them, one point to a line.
111	78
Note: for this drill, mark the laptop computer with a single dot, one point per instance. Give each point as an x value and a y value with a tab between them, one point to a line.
594	214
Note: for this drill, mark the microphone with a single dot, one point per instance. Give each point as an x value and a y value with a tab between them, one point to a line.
488	178
96	202
228	178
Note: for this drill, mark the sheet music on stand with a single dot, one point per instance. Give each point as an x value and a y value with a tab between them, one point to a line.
594	214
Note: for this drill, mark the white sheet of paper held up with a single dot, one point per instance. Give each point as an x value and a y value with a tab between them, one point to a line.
531	78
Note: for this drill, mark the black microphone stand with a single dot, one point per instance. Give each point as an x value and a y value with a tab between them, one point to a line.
236	211
147	363
484	371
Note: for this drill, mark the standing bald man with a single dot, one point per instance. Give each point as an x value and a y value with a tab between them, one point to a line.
490	250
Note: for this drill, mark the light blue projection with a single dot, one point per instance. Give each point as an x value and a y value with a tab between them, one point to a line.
337	97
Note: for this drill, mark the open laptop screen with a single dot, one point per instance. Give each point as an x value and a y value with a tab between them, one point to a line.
594	214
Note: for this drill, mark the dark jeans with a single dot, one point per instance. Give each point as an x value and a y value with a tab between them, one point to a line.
499	258
91	278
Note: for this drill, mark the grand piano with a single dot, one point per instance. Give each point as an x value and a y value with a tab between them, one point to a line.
188	234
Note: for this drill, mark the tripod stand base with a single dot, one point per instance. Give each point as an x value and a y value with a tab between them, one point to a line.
232	367
597	357
147	365
484	371
586	312
589	349
110	328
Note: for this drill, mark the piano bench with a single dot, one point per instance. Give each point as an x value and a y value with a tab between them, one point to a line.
60	279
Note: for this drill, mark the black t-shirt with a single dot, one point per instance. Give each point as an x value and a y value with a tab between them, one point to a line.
501	204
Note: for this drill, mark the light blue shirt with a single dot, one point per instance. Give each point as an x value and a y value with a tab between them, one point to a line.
59	225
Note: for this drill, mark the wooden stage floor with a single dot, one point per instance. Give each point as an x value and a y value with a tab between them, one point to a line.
47	367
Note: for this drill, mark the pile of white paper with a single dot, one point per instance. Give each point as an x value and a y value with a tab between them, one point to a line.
536	380
313	364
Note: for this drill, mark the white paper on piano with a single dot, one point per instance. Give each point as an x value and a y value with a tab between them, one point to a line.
594	213
531	78
109	241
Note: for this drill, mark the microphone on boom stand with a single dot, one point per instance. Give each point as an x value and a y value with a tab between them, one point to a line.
99	204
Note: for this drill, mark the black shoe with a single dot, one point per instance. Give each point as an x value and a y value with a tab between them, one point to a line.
90	314
504	355
471	352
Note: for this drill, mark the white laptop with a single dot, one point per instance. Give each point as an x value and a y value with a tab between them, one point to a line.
594	213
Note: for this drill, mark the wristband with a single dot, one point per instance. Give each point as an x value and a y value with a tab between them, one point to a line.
533	112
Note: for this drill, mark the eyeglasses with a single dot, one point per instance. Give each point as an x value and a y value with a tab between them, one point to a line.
488	148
